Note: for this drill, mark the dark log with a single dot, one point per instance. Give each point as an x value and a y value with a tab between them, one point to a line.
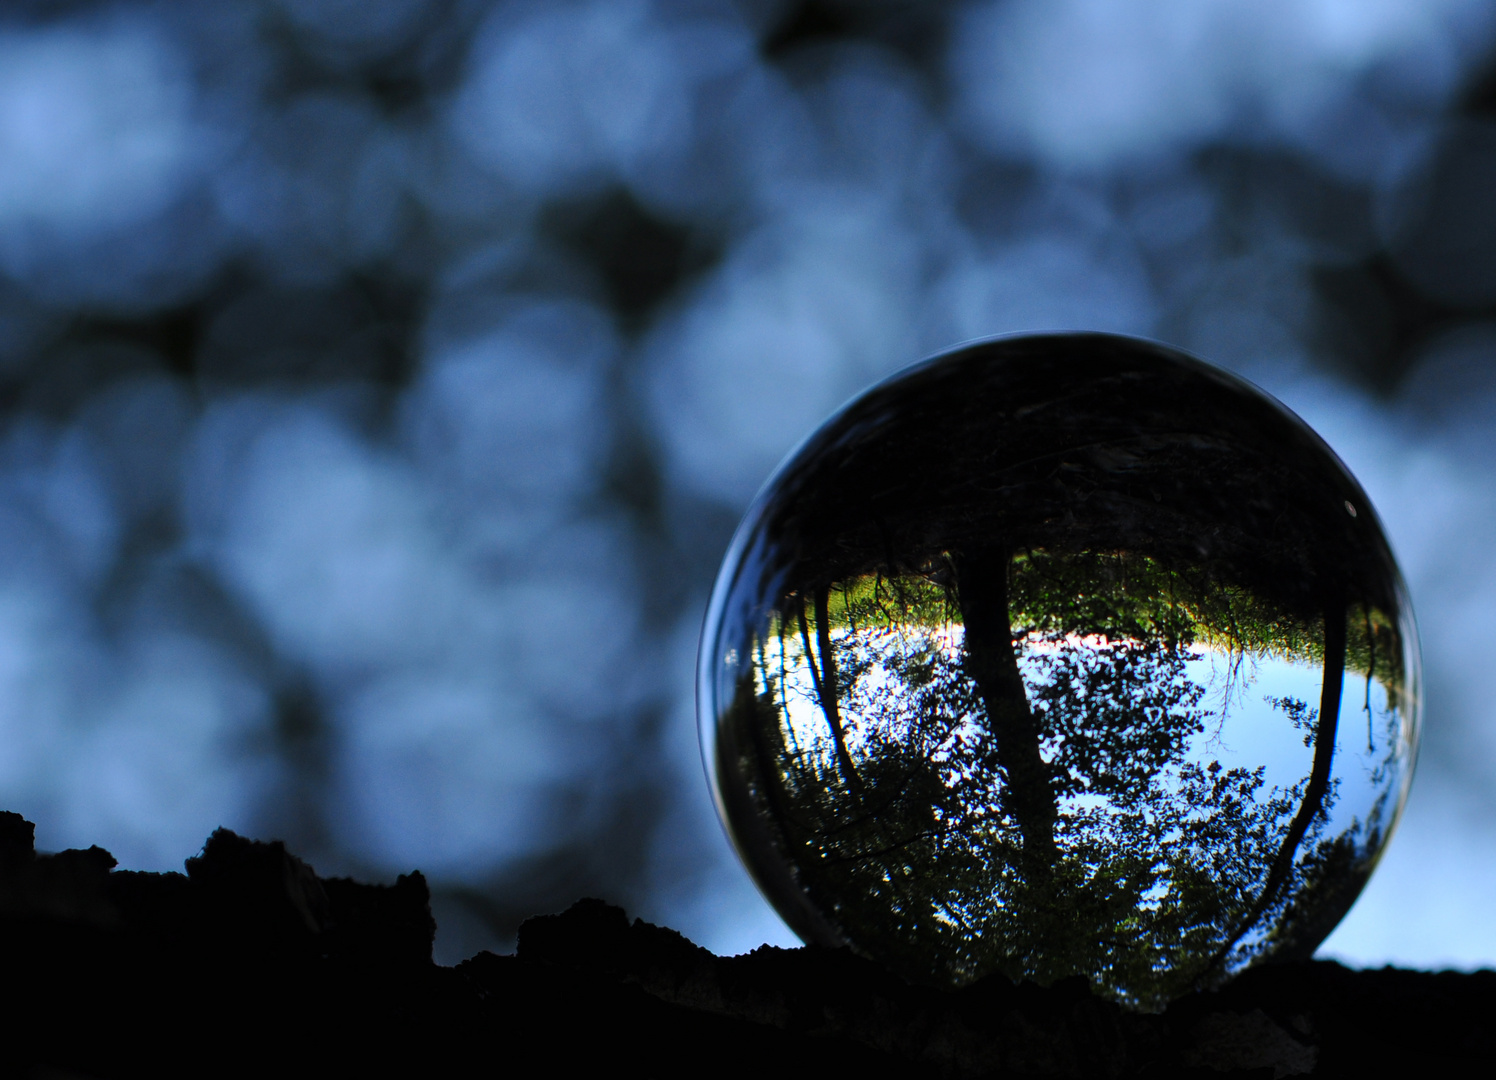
250	964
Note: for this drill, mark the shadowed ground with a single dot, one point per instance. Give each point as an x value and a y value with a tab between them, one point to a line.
249	963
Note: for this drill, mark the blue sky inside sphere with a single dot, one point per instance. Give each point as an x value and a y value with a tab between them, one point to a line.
350	492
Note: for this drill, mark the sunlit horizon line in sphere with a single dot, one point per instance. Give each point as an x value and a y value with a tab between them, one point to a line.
1061	655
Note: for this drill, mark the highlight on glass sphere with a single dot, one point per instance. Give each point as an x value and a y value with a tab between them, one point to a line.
1061	655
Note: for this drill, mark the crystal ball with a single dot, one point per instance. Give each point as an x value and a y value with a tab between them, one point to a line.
1061	655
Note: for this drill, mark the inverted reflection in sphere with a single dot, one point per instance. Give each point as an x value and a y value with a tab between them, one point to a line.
1062	655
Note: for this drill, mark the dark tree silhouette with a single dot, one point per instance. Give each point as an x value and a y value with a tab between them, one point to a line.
981	583
1313	805
823	676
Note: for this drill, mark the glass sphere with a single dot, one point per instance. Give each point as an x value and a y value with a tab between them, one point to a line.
1061	655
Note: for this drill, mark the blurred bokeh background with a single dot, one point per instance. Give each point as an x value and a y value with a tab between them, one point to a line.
380	382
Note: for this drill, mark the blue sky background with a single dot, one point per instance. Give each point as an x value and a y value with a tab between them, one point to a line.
380	382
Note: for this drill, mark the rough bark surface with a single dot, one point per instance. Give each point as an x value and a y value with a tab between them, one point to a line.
250	964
